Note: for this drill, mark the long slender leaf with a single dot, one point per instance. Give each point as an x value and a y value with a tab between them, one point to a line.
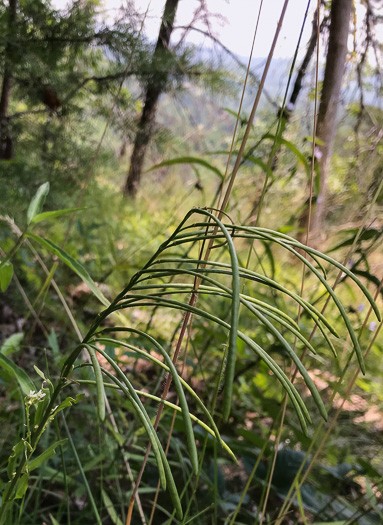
99	383
73	265
48	215
162	365
44	456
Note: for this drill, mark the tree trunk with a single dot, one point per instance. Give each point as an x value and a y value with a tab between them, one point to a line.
332	83
298	84
6	146
155	86
305	62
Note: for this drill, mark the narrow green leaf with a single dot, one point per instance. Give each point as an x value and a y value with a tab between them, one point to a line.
110	508
37	202
297	401
165	473
26	384
44	378
168	404
53	520
6	274
259	162
47	215
99	384
193	417
130	392
302	159
47	454
73	265
164	366
300	503
330	260
343	522
82	473
235	285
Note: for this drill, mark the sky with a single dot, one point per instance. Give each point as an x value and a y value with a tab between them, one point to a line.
236	24
236	30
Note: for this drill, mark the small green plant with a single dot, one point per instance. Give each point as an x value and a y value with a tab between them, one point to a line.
171	280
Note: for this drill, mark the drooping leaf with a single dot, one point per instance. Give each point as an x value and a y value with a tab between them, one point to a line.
26	384
73	265
366	235
300	156
368	276
37	202
188	160
259	162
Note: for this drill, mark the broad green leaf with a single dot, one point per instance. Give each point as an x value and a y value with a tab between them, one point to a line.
73	265
69	401
48	453
6	274
22	486
12	343
53	343
47	215
37	202
110	508
188	160
18	450
53	520
18	373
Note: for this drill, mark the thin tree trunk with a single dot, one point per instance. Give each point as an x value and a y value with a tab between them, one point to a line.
298	84
156	85
5	138
332	83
